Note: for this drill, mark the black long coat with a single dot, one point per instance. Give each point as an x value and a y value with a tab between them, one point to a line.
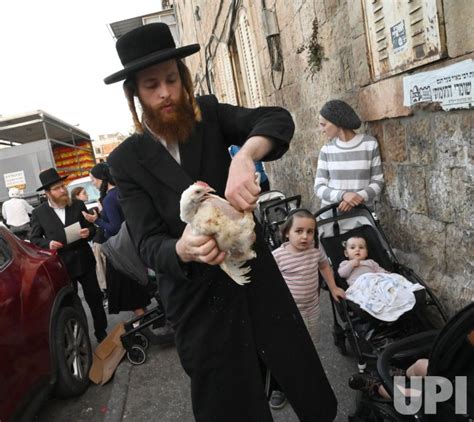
221	328
47	226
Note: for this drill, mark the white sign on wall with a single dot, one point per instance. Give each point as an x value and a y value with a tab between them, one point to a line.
450	86
14	179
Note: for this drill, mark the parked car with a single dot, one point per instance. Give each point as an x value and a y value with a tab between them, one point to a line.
91	190
44	341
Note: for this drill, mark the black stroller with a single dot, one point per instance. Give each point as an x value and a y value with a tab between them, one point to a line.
451	356
139	331
272	210
367	335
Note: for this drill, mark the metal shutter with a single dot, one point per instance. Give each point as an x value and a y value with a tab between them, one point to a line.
402	34
224	76
246	47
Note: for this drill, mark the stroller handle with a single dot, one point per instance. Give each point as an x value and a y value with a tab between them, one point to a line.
334	207
415	344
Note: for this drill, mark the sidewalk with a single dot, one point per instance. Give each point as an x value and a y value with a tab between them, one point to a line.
159	389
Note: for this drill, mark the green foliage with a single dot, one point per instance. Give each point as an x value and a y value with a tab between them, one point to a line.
315	51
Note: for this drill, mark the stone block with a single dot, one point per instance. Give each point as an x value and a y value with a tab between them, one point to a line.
411	182
345	63
356	18
459	257
320	11
383	100
391	190
420	140
361	68
451	139
331	7
394	141
458	19
415	236
376	130
449	196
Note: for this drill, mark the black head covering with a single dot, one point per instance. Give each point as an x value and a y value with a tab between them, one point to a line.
101	171
145	46
341	114
48	178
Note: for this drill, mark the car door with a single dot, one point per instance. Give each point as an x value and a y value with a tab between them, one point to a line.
25	304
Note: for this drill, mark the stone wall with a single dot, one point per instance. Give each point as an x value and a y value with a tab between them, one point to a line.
426	206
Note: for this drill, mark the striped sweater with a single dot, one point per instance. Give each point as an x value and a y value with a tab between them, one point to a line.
300	271
353	166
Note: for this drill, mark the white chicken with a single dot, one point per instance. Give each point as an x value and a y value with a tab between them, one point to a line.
233	230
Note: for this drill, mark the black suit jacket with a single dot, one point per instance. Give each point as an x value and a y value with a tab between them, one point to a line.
216	319
46	226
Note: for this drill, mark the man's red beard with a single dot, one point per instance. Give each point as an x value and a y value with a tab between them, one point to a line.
61	202
175	126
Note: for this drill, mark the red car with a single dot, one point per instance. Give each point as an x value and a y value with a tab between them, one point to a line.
44	340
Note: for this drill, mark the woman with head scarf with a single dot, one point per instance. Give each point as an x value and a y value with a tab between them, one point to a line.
349	165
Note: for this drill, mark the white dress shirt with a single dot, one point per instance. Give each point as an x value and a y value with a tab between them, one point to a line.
61	212
15	212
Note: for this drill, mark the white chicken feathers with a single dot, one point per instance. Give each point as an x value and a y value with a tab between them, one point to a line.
233	230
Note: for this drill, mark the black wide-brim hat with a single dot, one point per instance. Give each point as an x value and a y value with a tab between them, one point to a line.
145	46
48	178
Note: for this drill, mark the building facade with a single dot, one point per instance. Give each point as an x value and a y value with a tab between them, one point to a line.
299	54
106	144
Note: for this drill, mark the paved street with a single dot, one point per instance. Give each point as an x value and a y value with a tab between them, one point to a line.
159	389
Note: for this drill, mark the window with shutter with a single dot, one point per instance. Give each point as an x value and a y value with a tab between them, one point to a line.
246	49
403	34
224	76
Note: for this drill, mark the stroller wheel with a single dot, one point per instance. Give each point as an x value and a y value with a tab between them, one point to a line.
141	340
136	355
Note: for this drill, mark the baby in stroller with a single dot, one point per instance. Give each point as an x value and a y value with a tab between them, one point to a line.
384	297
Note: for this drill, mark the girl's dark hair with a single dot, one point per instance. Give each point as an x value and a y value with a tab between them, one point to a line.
76	191
297	212
101	171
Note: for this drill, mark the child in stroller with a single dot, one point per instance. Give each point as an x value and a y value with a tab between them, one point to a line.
367	335
385	296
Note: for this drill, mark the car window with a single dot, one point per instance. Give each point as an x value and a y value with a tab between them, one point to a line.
5	254
92	192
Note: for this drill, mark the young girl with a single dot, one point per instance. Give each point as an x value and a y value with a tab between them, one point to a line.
80	194
355	249
299	261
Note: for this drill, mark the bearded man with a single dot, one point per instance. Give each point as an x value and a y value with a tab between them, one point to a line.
48	222
223	330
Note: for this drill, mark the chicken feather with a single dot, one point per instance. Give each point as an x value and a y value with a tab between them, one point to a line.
233	230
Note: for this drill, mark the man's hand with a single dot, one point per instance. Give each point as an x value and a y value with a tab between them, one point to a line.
198	248
349	201
54	244
84	233
90	217
242	189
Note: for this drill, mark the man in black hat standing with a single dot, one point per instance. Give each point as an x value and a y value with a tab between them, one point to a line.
223	330
48	223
